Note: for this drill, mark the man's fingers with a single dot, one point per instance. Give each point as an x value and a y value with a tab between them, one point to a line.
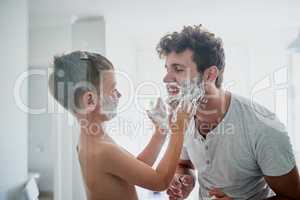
176	183
217	193
176	191
174	194
187	180
174	198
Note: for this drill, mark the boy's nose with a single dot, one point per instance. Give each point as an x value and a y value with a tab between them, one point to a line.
119	95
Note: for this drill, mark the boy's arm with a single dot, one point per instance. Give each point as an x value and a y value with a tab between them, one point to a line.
151	151
135	172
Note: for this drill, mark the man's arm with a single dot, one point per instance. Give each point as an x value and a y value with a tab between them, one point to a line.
151	151
286	187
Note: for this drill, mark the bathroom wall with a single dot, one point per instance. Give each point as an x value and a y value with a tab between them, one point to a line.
44	43
13	120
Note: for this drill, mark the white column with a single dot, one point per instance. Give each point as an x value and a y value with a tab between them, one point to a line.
14	129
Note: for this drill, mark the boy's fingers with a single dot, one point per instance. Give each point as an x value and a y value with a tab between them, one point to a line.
159	103
190	108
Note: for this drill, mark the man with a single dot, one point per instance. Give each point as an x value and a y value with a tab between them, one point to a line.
239	148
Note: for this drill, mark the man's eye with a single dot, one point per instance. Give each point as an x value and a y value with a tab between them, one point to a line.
178	70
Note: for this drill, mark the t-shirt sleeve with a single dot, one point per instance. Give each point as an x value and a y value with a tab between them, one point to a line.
274	152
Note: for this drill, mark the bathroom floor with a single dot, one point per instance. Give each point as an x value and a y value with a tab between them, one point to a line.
45	196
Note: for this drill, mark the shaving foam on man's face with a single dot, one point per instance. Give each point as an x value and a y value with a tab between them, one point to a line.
188	91
191	90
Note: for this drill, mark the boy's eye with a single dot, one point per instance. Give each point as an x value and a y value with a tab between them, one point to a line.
115	92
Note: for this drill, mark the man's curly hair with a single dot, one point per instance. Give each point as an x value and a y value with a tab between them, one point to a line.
207	48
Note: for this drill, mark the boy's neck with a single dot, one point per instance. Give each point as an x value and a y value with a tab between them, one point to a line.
91	128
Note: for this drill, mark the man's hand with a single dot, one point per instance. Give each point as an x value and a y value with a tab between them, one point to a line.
181	186
217	194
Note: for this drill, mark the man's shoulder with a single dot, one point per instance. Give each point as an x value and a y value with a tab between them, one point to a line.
253	111
259	119
250	105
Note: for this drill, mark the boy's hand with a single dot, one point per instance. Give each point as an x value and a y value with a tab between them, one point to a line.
158	116
183	116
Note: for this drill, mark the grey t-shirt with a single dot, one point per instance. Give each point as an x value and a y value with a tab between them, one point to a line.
250	142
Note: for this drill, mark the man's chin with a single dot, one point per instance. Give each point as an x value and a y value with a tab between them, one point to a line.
173	101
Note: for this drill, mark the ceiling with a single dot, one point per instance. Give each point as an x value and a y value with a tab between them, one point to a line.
140	18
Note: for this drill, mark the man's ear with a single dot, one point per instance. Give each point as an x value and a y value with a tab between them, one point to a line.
89	101
211	74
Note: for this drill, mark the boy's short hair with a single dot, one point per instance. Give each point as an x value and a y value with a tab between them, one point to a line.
74	74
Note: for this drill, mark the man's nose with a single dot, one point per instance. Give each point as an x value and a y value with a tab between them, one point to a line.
168	78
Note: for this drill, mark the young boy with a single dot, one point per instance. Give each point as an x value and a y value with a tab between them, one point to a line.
84	83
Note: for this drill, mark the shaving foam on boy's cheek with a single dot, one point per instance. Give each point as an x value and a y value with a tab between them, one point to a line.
109	107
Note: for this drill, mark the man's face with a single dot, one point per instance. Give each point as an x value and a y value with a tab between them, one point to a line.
179	67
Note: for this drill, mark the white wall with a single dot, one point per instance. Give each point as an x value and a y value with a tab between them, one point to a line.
44	42
14	128
89	34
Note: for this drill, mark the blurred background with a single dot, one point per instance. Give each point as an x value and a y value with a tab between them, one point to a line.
38	139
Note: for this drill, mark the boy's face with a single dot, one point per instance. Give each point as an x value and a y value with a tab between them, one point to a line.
109	95
108	85
179	67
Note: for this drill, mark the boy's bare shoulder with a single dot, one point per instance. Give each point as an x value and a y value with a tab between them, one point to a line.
109	151
106	147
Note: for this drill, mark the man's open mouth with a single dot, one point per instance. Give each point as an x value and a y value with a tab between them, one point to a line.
173	89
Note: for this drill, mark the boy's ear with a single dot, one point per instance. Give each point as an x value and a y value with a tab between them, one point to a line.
89	101
211	74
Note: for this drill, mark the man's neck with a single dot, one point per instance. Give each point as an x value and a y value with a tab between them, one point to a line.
209	115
